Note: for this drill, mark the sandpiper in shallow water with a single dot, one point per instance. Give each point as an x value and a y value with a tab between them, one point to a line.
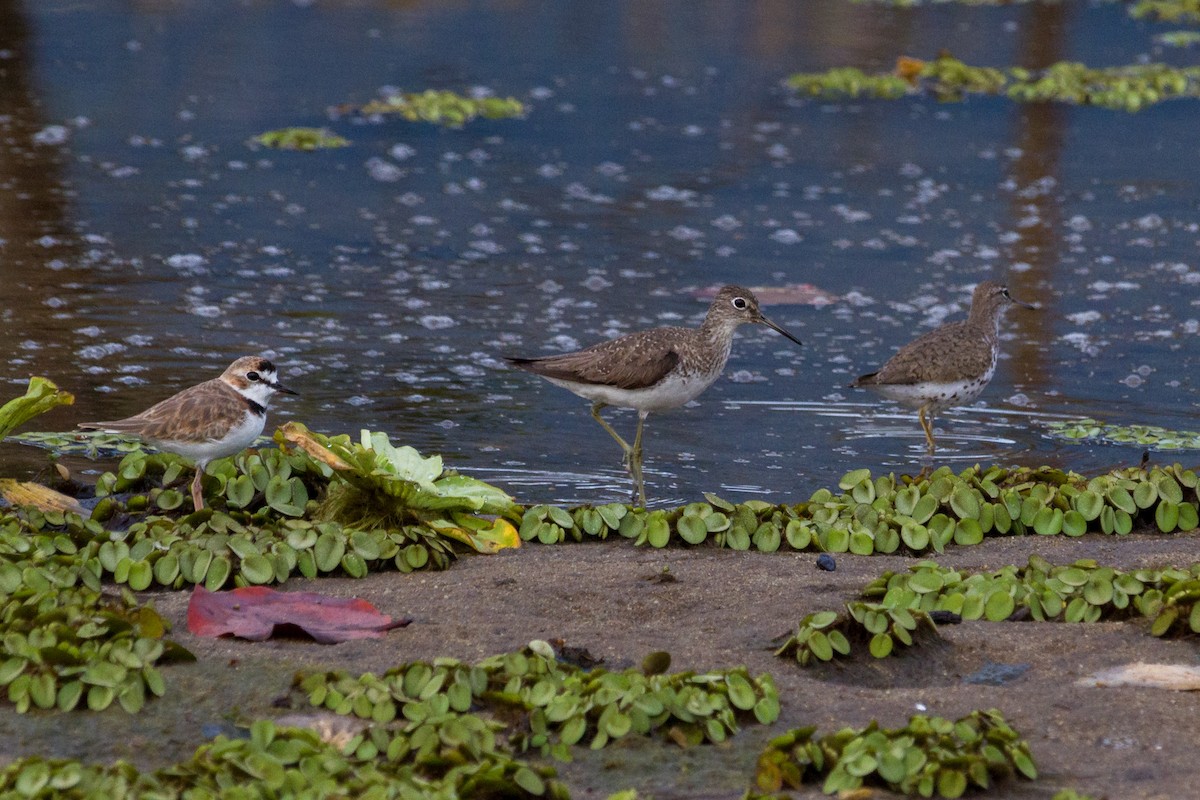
652	370
210	420
948	366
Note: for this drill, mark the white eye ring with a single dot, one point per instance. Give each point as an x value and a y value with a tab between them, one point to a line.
739	303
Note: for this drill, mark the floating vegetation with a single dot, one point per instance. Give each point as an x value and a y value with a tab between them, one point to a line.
291	762
886	514
548	706
70	648
1152	436
897	606
1178	38
927	757
1128	88
301	139
442	108
1166	10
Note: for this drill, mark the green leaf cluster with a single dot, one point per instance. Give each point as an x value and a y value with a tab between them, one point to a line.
895	607
824	635
888	515
444	108
291	764
374	483
549	706
68	648
1129	88
930	756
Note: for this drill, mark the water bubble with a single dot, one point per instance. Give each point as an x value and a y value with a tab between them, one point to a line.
437	322
186	261
400	152
52	135
383	171
98	351
670	193
787	236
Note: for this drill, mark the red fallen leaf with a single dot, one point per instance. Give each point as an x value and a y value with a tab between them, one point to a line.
798	294
255	612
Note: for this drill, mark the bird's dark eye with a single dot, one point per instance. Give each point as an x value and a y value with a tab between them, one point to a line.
253	376
739	303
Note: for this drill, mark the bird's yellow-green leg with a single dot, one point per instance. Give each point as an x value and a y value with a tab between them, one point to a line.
625	448
635	463
632	463
197	495
927	426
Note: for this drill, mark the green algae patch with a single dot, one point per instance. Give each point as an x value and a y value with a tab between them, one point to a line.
443	108
897	609
545	706
928	757
301	139
1128	88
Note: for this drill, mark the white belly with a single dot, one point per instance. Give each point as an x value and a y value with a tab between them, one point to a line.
237	440
671	392
935	396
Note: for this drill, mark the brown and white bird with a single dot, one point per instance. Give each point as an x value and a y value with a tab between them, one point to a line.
652	370
217	418
948	366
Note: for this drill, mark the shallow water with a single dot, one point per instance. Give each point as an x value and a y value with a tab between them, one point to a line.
146	244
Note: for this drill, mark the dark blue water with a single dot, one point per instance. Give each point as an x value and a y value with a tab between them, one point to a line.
146	243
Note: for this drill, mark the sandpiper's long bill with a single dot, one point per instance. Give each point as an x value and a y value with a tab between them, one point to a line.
653	370
948	366
210	420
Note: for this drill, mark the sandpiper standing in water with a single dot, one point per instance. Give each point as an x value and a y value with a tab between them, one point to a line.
210	420
652	370
948	366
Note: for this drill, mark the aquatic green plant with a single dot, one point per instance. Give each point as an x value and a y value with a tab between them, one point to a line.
301	139
405	512
380	485
444	108
70	648
887	513
930	756
1129	88
895	608
40	396
1178	38
1166	10
550	706
293	763
1151	436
